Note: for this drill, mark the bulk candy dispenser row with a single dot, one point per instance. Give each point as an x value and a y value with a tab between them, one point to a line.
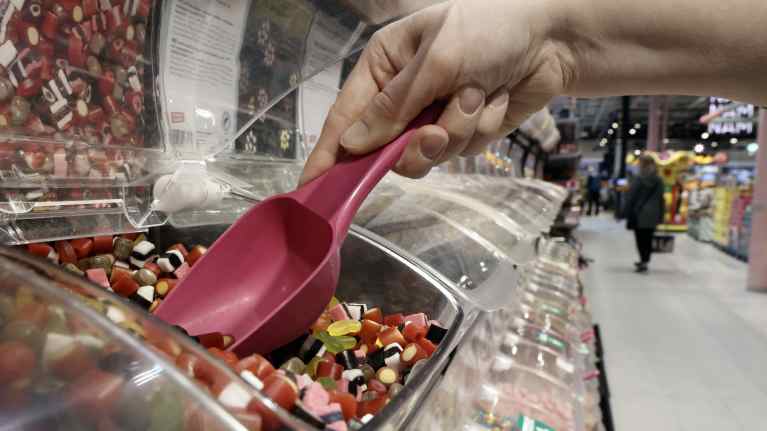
134	132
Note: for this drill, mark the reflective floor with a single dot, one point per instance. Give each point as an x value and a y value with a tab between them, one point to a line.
686	344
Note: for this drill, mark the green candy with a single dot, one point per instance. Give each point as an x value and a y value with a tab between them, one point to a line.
294	365
327	383
166	413
336	344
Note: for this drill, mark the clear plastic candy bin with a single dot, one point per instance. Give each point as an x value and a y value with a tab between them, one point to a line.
67	364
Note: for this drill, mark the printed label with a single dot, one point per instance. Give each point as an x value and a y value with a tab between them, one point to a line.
525	423
200	71
552	341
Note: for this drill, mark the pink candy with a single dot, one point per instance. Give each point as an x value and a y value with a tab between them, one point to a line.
338	313
315	397
98	276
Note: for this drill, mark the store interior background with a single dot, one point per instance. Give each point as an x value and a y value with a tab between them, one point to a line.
686	341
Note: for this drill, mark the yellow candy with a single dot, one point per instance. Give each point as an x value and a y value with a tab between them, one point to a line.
344	327
333	302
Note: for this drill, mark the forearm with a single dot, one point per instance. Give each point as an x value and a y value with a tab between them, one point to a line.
691	47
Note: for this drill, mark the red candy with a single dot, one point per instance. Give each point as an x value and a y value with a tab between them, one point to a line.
195	254
347	402
102	244
427	346
394	319
17	362
96	391
414	331
369	332
372	407
83	247
392	335
413	353
374	314
67	253
256	364
42	250
326	368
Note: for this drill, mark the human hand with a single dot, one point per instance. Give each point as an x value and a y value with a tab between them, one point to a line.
452	52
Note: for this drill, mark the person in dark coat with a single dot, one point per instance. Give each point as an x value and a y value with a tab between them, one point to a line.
593	191
645	208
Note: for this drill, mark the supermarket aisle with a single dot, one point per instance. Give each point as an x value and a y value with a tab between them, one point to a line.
686	344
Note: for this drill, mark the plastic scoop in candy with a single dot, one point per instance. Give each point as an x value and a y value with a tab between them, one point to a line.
270	275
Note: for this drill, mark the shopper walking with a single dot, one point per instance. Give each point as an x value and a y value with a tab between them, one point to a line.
496	62
644	209
593	191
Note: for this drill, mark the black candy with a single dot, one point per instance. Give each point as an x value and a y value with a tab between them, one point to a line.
436	334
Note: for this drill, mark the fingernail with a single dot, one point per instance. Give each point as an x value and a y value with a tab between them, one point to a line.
501	100
471	99
355	136
432	147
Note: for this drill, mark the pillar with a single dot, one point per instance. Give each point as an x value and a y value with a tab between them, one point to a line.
757	255
654	121
625	126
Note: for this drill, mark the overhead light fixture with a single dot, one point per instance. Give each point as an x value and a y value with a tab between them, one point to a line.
632	132
610	132
752	148
715	144
666	140
637	152
733	141
637	126
616	125
704	135
603	142
699	148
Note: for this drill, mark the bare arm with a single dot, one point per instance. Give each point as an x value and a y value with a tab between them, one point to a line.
498	61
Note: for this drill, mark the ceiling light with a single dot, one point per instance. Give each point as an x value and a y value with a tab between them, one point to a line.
734	141
610	132
752	147
637	152
666	140
615	125
715	144
637	126
704	135
632	132
699	148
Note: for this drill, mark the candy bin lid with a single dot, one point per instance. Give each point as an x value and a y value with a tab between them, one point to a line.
124	114
85	358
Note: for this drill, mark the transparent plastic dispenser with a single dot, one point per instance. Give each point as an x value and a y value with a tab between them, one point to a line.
118	116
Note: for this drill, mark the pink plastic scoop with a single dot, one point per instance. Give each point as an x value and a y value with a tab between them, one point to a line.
270	275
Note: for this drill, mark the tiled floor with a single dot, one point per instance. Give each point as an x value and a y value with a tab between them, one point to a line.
686	344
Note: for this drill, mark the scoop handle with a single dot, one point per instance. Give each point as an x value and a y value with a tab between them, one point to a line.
337	194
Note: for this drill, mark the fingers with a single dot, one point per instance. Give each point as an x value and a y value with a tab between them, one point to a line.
460	119
426	147
377	65
490	127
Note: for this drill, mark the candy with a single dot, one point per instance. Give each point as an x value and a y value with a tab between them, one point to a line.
315	396
141	253
17	361
395	389
309	349
427	346
195	254
98	276
330	369
391	335
333	416
371	407
347	359
344	327
394	320
102	244
145	277
336	344
413	353
170	261
165	286
387	375
122	248
356	311
339	312
256	364
294	365
83	247
414	331
436	333
125	286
